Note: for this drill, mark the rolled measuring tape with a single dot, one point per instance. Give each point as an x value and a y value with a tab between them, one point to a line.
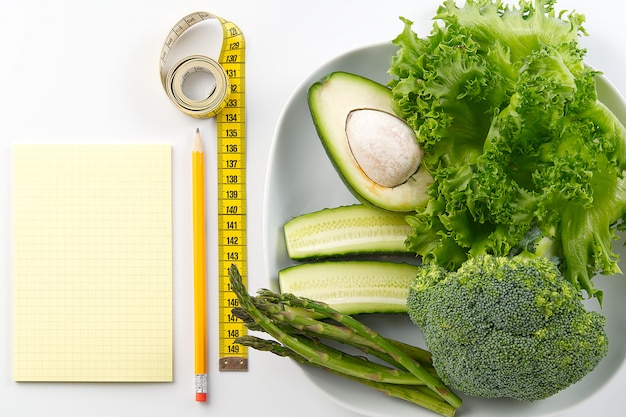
227	103
174	78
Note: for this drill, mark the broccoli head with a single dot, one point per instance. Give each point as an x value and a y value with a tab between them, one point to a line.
506	327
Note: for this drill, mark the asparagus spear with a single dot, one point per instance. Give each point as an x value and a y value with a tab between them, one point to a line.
432	381
311	326
414	394
308	325
316	353
259	314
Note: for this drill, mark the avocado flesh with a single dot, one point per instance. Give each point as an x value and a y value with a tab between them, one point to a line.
331	100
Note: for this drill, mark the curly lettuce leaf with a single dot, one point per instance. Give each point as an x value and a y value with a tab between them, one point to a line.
514	136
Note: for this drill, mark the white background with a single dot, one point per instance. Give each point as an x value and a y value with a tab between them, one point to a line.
76	71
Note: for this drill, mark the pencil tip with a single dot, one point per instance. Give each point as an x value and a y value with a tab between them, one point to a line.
197	142
197	130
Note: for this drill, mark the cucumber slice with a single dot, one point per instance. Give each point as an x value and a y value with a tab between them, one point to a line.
352	286
355	229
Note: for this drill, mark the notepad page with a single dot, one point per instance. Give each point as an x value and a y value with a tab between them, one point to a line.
92	262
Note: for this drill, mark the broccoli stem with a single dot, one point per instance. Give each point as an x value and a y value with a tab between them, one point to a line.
415	394
261	313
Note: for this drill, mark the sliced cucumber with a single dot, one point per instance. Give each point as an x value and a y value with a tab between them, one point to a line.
352	287
355	229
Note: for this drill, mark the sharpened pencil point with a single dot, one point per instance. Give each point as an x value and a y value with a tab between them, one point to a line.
197	143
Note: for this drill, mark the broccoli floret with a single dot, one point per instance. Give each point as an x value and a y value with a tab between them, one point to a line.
506	327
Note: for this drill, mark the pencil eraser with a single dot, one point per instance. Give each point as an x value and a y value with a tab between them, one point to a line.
201	396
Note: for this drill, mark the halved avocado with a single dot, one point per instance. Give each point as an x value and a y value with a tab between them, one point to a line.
375	153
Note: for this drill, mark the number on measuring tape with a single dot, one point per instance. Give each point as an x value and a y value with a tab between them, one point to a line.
232	238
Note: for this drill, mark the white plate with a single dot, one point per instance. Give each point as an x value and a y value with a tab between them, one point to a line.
301	179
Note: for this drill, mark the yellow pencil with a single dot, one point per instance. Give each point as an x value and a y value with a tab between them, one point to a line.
199	266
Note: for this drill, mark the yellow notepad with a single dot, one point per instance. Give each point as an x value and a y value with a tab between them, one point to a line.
92	262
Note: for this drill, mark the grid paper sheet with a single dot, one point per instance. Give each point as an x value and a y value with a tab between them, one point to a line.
92	263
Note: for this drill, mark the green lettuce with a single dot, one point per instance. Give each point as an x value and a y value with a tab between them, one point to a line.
526	159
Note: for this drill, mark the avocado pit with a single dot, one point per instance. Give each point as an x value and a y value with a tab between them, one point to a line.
383	146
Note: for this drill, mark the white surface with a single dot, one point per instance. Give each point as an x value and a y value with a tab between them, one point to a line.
76	71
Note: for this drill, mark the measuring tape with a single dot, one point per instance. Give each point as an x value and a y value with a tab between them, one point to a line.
227	103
